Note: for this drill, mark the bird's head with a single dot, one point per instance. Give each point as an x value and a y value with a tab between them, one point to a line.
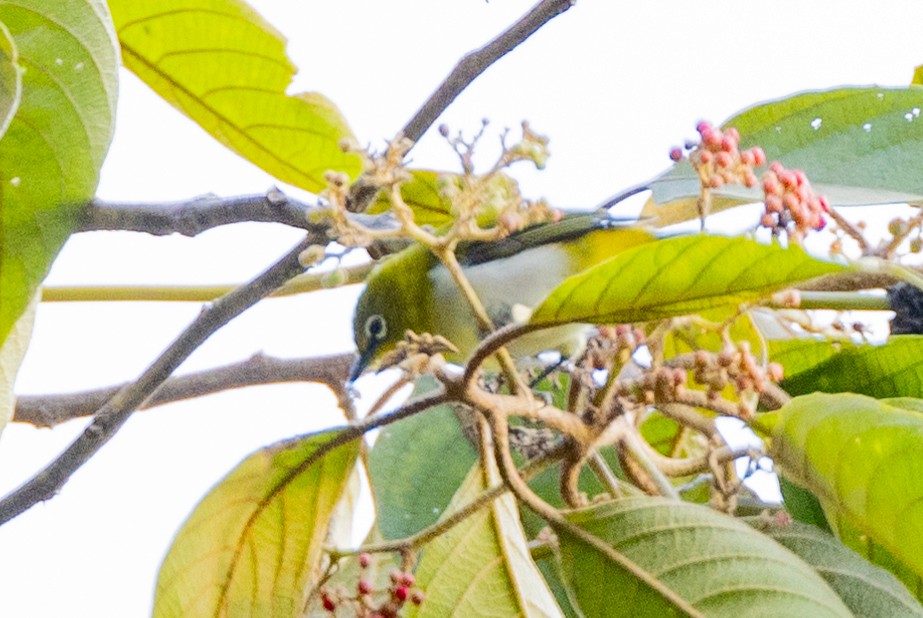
397	297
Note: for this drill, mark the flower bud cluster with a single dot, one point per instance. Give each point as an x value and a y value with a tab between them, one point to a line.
791	204
367	602
613	341
718	159
736	366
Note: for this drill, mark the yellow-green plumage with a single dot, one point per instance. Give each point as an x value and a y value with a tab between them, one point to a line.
411	290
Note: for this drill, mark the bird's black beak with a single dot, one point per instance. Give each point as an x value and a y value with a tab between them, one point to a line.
361	362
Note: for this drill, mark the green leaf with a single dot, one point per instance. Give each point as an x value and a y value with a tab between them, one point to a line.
868	591
894	369
857	146
677	276
12	351
410	492
802	505
713	564
251	544
55	143
219	63
803	354
482	565
10	79
859	456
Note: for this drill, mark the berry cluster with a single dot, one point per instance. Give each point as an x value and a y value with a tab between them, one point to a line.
370	603
718	159
735	366
791	203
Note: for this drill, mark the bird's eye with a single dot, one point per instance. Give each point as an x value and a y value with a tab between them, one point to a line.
376	328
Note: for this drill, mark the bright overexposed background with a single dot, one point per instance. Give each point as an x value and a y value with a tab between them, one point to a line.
614	85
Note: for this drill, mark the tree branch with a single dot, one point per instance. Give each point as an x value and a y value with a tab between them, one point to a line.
116	411
466	71
51	410
476	62
192	217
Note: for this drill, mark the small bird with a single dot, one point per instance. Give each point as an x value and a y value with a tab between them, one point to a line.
411	290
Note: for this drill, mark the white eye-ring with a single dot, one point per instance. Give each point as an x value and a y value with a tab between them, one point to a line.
376	328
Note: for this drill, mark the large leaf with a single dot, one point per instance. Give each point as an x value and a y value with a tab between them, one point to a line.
894	369
219	63
857	145
250	545
482	565
410	492
870	592
710	563
677	276
860	457
55	143
10	79
12	351
802	354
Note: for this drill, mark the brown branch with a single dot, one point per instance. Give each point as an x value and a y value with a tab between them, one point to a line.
51	410
466	71
476	62
117	410
192	217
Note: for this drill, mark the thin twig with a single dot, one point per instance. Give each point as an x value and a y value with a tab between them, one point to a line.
302	284
117	410
51	410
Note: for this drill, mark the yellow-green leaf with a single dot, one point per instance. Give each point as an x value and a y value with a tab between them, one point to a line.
12	351
221	64
482	565
678	276
56	141
688	560
250	546
860	457
858	145
867	590
10	78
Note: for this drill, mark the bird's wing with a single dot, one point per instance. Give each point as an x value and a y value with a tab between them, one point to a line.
568	228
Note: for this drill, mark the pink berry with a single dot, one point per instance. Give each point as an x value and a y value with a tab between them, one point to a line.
734	134
364	586
773	203
417	597
328	603
676	154
728	144
703	126
712	139
401	593
364	560
705	157
409	580
715	182
759	157
723	159
771	185
788	179
747	158
777	168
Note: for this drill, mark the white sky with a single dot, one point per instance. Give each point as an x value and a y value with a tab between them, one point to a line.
614	85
